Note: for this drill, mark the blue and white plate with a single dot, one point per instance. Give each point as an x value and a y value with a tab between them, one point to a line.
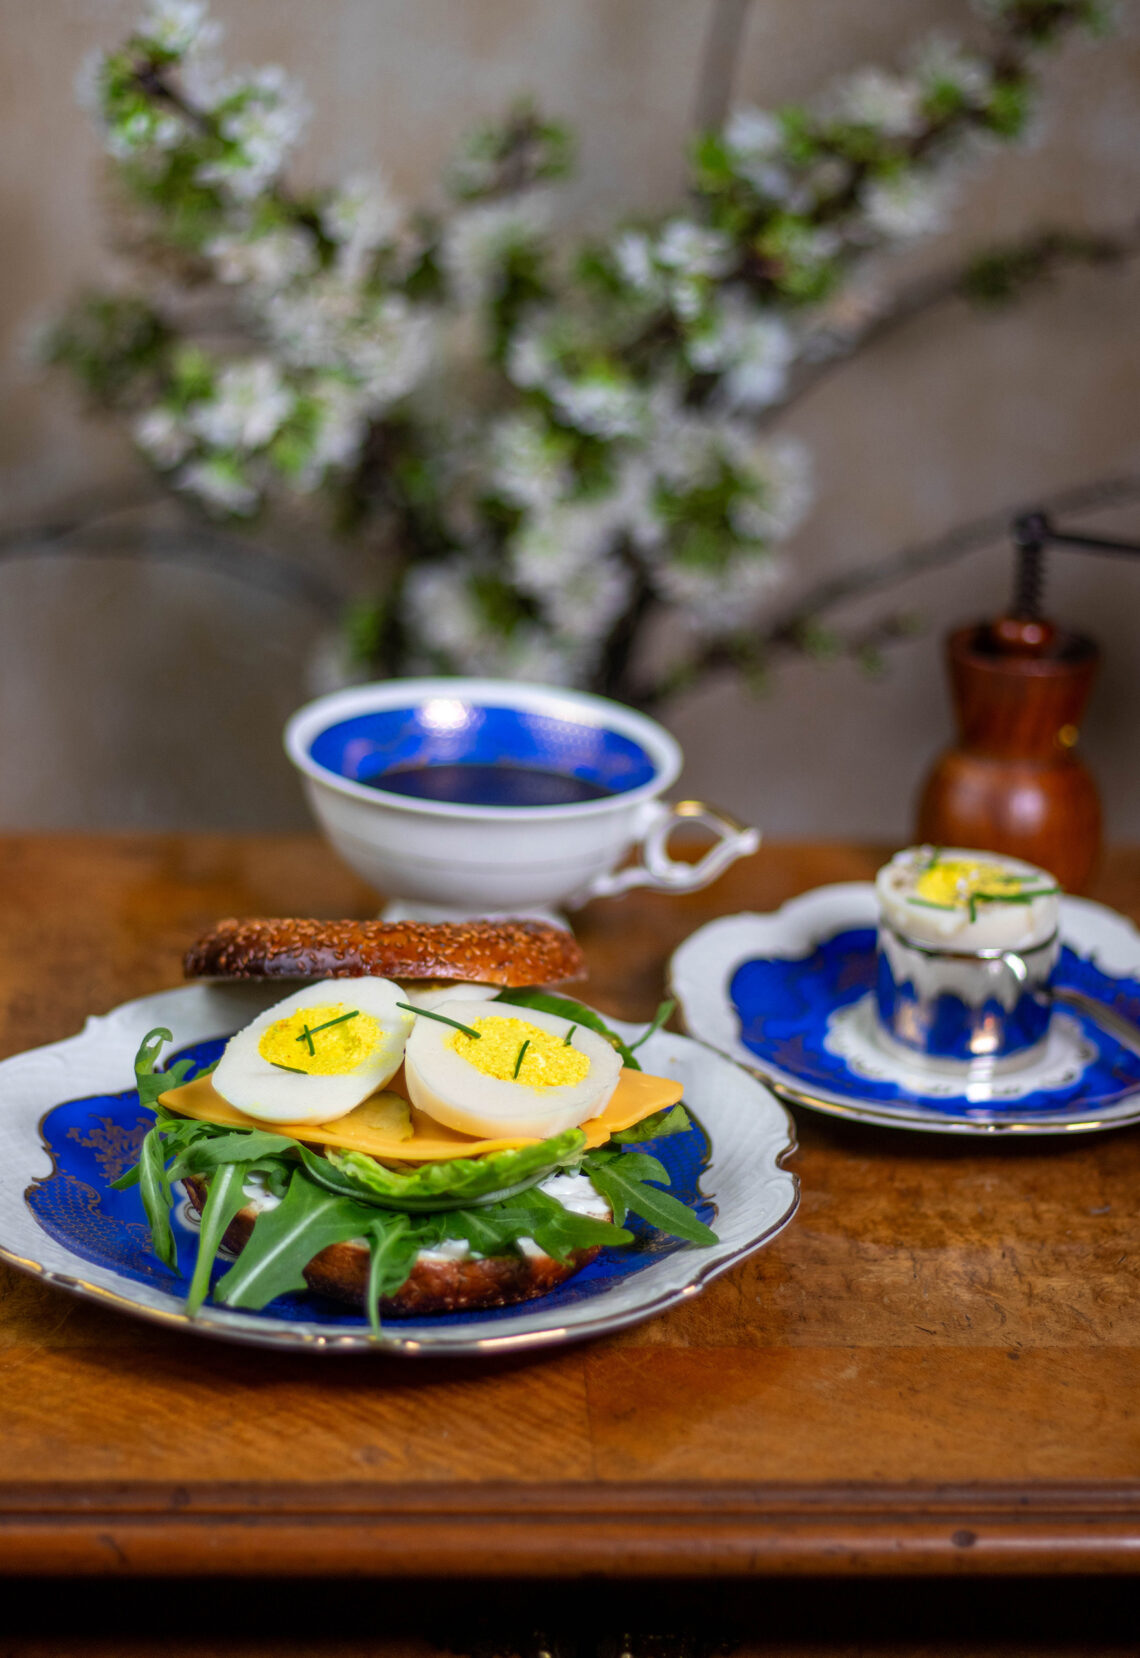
70	1123
789	994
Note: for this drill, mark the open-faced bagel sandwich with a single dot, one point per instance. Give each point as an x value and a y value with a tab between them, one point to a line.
416	1128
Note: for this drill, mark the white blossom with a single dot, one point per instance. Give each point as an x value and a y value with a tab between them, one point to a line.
249	405
535	655
479	239
361	217
781	470
342	424
177	26
526	463
219	486
751	348
692	250
341	427
906	207
267	118
586	605
531	358
554	547
941	61
385	344
143	130
721	599
755	140
441	611
446	621
162	436
269	259
393	351
632	253
601	404
889	104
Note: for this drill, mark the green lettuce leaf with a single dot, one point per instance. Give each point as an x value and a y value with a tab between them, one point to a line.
674	1119
456	1184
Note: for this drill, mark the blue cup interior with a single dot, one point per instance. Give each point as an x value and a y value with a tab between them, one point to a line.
444	731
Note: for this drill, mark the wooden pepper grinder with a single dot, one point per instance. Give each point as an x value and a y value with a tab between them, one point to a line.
1013	782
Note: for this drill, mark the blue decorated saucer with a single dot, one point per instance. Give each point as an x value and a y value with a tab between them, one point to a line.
790	995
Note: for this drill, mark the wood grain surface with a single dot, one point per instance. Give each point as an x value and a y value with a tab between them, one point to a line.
934	1369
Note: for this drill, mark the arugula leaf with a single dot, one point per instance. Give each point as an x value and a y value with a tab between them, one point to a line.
659	1018
559	1230
674	1119
149	1082
285	1239
226	1195
200	1155
566	1008
454	1184
154	1189
394	1244
625	1190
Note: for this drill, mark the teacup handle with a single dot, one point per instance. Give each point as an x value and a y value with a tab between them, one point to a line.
658	869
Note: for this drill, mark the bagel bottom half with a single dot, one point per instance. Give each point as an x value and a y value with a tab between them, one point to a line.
341	1272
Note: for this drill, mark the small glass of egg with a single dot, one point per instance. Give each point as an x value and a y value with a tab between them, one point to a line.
967	946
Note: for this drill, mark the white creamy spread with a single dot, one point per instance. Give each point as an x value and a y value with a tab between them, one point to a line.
956	899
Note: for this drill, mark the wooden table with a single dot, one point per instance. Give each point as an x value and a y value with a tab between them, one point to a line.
934	1369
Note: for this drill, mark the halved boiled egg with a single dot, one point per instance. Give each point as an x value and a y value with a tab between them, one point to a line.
315	1056
498	1070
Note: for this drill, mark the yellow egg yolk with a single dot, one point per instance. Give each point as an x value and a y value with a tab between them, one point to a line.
959	879
328	1040
548	1061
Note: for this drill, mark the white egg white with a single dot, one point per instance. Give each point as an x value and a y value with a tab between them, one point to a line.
451	1090
434	995
261	1090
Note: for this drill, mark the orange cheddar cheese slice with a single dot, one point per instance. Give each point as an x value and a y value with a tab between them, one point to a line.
367	1127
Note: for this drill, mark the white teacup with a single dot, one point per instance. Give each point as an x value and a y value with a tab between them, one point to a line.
475	858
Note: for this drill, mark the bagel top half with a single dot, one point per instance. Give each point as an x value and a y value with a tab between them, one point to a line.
511	954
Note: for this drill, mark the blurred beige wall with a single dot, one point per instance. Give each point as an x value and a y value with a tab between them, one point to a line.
146	692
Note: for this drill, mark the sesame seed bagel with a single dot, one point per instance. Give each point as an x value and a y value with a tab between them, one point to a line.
508	953
341	1272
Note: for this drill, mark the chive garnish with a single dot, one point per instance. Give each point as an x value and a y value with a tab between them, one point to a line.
519	1060
425	1013
307	1036
929	904
296	1069
569	1034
